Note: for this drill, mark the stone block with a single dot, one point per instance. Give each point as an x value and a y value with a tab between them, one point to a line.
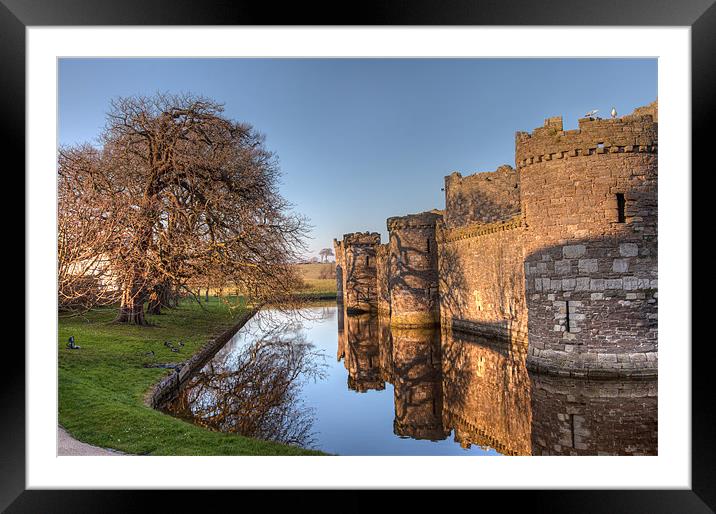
574	251
582	284
614	283
563	267
597	284
628	249
620	265
630	283
588	265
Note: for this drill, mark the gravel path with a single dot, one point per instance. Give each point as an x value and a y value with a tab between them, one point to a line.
68	445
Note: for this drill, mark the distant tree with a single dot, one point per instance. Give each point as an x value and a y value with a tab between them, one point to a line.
188	196
325	253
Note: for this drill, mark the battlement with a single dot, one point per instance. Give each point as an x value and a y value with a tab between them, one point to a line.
445	235
361	238
426	219
633	133
482	197
558	255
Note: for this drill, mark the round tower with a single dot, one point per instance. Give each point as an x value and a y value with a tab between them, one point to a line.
413	270
589	200
359	285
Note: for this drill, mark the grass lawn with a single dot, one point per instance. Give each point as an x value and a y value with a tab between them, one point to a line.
102	385
315	286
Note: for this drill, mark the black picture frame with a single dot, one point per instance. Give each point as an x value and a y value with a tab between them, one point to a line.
699	15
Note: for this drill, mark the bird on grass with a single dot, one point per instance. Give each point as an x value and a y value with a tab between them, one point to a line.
175	350
71	344
150	353
167	344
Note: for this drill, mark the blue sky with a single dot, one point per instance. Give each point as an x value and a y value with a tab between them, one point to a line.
360	140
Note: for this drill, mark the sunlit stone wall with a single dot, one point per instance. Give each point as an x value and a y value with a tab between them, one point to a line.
589	200
413	270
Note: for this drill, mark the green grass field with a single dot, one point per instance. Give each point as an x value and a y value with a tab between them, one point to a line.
319	279
103	384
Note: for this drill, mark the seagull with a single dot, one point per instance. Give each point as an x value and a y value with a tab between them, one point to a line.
167	344
591	113
181	343
150	353
175	350
614	112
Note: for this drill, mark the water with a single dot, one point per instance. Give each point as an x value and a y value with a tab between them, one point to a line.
352	385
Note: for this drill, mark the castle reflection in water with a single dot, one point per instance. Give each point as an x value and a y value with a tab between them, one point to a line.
445	385
481	390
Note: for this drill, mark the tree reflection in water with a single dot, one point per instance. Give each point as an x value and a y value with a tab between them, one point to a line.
459	393
253	385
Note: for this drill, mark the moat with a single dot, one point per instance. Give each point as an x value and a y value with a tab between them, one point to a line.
352	385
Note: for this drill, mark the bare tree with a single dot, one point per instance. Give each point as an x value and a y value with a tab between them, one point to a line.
197	198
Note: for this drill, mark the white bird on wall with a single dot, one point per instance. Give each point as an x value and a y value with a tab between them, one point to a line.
590	114
614	112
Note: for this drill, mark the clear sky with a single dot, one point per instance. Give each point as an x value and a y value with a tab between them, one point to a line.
360	140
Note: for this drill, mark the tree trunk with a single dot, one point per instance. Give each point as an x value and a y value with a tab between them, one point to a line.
163	295
154	306
131	309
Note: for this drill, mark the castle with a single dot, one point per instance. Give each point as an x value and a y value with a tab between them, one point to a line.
558	254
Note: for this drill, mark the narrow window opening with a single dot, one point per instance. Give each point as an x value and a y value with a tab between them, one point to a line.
567	314
571	426
621	208
427	241
367	261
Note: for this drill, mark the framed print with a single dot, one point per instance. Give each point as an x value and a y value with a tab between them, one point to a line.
284	249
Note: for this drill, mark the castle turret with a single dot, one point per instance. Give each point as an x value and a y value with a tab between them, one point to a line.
589	200
340	269
413	270
359	286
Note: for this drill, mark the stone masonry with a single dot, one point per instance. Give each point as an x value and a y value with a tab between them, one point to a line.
558	254
360	286
412	270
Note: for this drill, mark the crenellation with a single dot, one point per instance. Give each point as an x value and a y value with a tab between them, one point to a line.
557	256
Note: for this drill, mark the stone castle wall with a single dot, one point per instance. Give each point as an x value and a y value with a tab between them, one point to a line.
381	265
482	197
482	279
413	271
559	252
360	287
591	270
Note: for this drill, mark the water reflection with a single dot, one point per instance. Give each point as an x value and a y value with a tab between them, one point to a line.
442	393
253	384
